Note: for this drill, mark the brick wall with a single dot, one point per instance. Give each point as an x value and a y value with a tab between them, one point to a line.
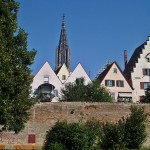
45	115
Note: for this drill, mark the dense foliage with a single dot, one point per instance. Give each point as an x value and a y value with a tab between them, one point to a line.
127	133
68	136
78	91
113	136
146	98
73	136
15	78
135	129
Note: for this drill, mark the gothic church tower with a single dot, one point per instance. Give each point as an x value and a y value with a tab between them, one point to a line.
63	51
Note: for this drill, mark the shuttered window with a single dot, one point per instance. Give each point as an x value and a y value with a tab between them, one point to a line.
141	98
142	85
109	83
120	83
146	71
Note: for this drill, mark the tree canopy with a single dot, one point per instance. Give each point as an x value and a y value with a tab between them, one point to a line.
15	74
128	133
146	98
92	92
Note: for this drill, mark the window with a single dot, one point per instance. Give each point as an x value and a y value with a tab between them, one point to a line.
63	77
148	57
109	83
115	70
112	94
46	79
56	93
146	72
144	85
141	98
120	83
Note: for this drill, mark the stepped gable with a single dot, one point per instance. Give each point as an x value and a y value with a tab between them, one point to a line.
133	60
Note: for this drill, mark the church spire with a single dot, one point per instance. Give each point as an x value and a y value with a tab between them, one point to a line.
63	51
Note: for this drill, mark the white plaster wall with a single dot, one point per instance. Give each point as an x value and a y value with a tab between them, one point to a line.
137	74
117	76
78	73
46	70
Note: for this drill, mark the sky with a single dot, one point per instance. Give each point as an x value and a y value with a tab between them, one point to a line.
97	30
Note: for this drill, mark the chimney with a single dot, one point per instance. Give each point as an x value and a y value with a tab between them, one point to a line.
125	58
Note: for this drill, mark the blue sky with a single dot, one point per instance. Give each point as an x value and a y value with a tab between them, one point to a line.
97	30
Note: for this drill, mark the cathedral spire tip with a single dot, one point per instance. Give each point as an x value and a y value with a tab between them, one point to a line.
63	51
63	20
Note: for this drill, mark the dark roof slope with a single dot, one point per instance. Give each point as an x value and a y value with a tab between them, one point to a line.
56	71
133	60
104	73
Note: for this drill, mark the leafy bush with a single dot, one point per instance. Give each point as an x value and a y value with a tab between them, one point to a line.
71	136
135	128
94	133
113	136
92	92
129	132
146	98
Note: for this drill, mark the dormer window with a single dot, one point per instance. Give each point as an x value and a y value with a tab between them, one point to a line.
148	57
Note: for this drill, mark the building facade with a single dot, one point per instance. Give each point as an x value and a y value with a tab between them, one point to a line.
113	79
47	83
137	70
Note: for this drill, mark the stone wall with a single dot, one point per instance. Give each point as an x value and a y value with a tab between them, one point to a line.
45	115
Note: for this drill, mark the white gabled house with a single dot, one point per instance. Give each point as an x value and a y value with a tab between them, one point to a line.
46	82
78	72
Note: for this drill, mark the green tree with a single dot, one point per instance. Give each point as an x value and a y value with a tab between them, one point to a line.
92	92
67	136
15	77
129	132
113	136
146	98
94	133
135	128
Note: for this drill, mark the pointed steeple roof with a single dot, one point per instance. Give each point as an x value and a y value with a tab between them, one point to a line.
63	36
63	51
